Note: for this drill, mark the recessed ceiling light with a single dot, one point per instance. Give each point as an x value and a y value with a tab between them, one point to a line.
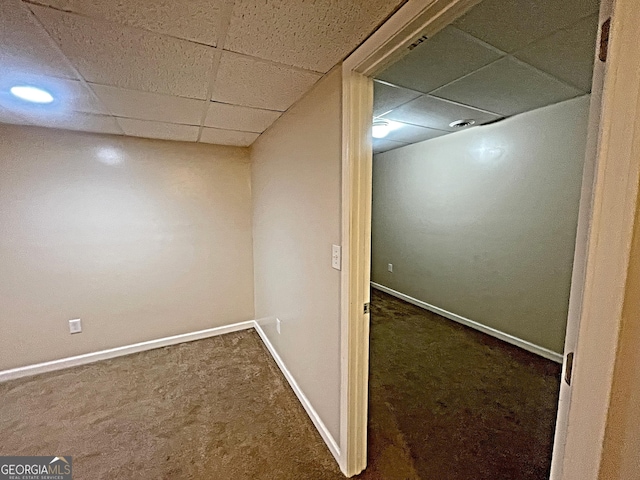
380	129
462	123
31	94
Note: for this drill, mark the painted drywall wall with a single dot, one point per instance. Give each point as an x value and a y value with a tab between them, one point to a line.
141	239
296	219
482	223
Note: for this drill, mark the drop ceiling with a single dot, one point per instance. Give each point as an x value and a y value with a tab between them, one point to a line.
502	58
212	71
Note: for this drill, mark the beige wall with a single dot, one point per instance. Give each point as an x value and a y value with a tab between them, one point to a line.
482	222
141	239
296	219
621	452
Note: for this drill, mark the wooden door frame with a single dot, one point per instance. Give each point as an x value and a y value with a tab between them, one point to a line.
610	229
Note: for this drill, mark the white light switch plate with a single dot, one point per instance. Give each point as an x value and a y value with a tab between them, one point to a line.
336	257
390	267
75	326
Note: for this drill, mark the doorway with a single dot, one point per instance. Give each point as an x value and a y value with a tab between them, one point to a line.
357	70
479	147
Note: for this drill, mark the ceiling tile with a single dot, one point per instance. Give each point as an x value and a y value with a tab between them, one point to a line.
69	95
308	34
252	83
450	54
84	122
160	130
507	87
412	133
25	46
129	57
567	54
228	137
79	97
431	112
383	145
7	116
510	25
388	97
195	20
150	106
235	117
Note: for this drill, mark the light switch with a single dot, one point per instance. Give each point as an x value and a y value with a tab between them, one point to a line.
336	257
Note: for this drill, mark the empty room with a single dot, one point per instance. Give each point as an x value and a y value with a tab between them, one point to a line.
186	223
479	142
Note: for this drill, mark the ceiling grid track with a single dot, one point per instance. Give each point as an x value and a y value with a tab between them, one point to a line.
225	23
70	65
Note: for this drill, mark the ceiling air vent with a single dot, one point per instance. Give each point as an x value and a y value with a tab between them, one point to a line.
462	123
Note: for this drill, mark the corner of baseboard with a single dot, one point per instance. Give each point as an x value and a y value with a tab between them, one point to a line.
313	415
505	337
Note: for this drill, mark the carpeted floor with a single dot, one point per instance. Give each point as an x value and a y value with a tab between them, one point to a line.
446	402
450	403
213	409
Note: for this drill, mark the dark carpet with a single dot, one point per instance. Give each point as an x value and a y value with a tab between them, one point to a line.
212	409
448	402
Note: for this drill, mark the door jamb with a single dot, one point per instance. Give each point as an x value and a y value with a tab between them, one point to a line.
416	18
609	244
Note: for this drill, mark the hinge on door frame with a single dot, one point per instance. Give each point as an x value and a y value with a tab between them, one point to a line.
605	29
367	308
568	368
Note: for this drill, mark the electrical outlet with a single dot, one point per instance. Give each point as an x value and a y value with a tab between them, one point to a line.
75	326
278	325
390	267
336	257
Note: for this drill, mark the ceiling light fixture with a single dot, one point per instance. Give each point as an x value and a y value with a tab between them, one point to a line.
380	129
462	123
31	94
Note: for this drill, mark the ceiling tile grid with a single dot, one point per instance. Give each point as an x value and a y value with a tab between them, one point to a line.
235	117
431	112
195	20
25	48
159	130
157	107
227	137
500	59
78	121
514	24
251	82
446	57
387	97
128	57
507	87
159	62
566	54
309	34
151	67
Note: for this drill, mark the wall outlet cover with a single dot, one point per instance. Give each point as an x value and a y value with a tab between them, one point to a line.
75	325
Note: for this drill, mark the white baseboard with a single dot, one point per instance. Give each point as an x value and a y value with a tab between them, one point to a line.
518	342
315	418
85	359
78	360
